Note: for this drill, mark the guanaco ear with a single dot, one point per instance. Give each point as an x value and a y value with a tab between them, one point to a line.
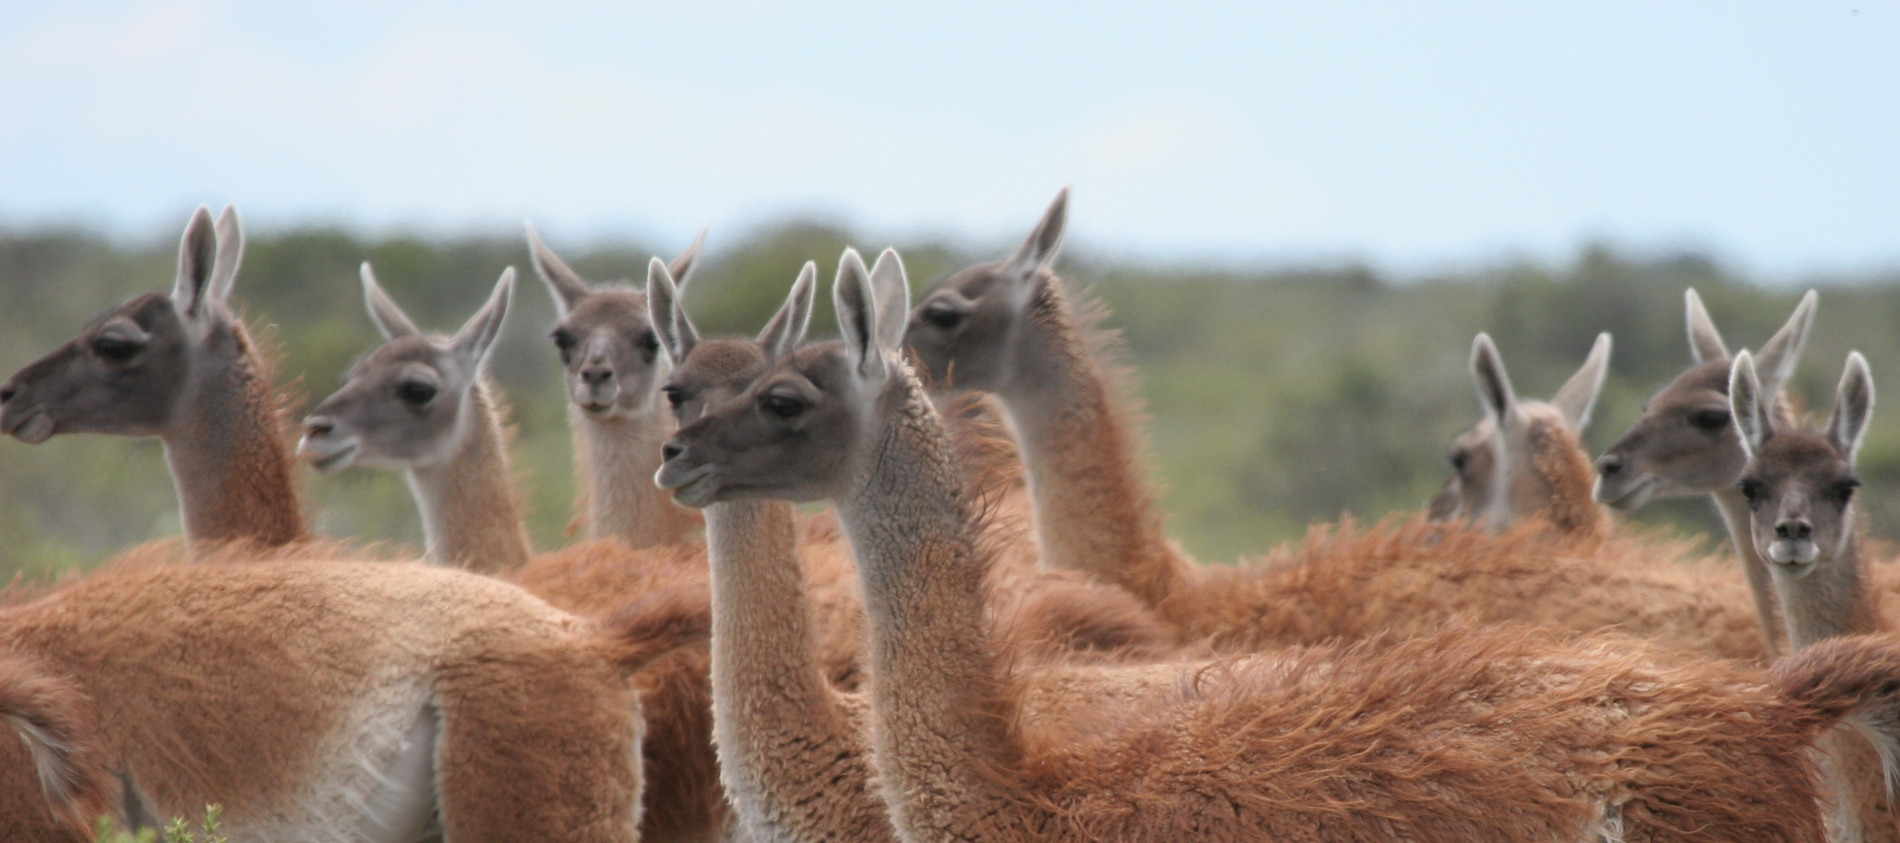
682	266
893	298
1579	395
787	328
1853	407
472	343
856	303
1494	384
676	332
389	318
197	255
563	283
1705	342
1782	352
1745	396
1045	241
230	254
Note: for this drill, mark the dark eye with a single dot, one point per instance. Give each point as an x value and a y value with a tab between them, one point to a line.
782	406
649	342
1843	492
1459	461
674	395
116	349
1710	421
415	392
1753	490
565	342
942	317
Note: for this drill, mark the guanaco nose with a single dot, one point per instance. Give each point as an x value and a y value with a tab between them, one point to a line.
7	392
1609	464
1794	528
671	449
317	427
596	377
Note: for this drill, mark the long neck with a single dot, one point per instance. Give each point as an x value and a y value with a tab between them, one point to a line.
792	759
471	517
1831	599
615	459
1092	510
1734	509
231	468
939	725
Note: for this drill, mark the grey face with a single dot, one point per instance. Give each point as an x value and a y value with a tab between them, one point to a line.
965	331
122	375
401	408
611	353
787	436
1799	489
714	373
1685	443
1473	473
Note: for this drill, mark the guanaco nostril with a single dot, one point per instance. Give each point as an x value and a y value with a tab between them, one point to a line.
1609	465
318	426
7	392
596	377
671	450
1793	530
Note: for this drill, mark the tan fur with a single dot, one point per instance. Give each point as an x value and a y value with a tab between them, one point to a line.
273	688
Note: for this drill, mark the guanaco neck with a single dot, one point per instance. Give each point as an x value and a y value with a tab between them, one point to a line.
792	762
1092	512
616	459
1735	514
1831	599
229	465
471	516
939	727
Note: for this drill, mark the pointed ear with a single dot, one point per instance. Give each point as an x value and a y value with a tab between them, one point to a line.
1853	408
893	298
565	284
787	328
1494	384
472	343
1782	352
856	304
1579	395
230	254
1039	251
383	311
197	255
682	266
675	331
1705	342
1745	398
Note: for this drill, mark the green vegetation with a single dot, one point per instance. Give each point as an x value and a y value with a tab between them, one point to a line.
1278	397
176	831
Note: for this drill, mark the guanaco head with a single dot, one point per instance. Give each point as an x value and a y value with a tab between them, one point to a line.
407	404
130	371
1685	443
967	329
609	347
798	432
1800	482
711	372
1524	458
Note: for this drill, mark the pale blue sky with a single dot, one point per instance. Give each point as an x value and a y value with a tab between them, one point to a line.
1412	135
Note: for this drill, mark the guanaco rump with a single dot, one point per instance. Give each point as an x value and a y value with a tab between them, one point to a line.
1494	734
319	701
181	367
1799	483
1009	328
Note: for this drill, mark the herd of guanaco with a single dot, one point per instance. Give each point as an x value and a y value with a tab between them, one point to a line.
986	636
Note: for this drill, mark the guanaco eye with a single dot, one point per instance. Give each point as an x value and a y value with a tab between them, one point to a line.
415	392
1459	461
1710	421
114	348
649	342
782	406
1753	490
564	341
674	395
942	317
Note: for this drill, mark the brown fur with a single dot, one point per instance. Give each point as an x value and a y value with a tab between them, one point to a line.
236	684
54	719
